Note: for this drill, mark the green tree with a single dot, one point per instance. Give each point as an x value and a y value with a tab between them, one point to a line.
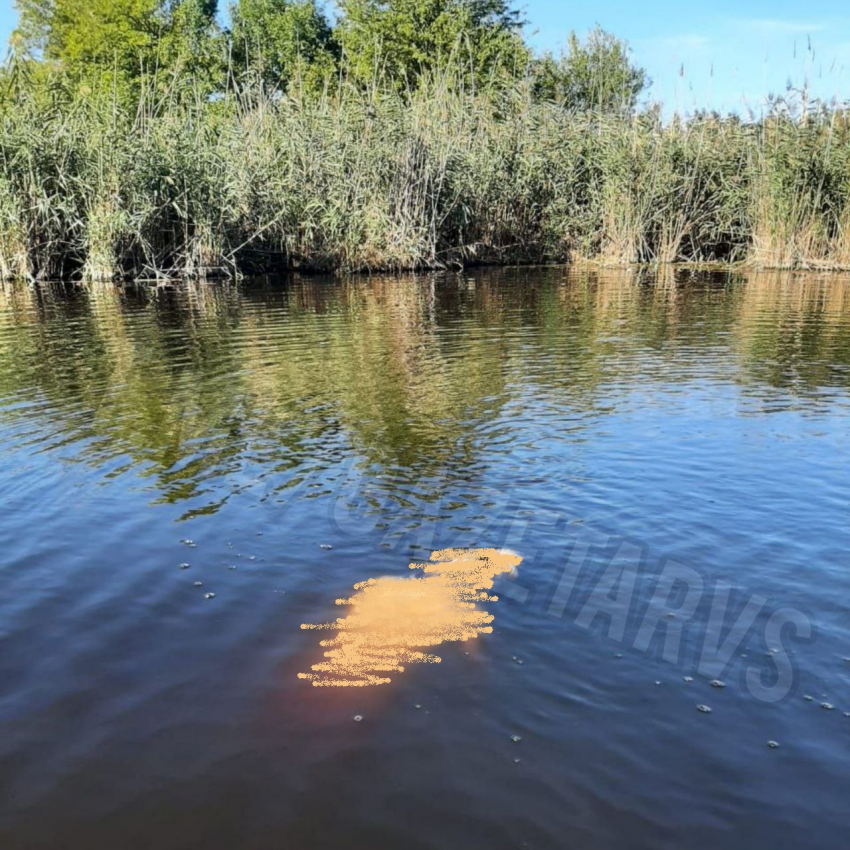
129	35
191	44
34	24
280	38
406	38
597	74
85	32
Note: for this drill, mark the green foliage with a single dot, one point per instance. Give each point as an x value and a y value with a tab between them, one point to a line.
354	179
123	151
597	74
34	24
406	39
280	39
78	32
190	44
127	37
799	211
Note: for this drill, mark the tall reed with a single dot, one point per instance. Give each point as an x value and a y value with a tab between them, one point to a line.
177	184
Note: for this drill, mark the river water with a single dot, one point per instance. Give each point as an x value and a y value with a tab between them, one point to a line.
669	456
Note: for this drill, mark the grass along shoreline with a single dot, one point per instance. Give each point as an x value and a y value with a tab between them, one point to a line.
354	179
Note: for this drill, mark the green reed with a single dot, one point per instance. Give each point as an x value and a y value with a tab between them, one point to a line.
176	184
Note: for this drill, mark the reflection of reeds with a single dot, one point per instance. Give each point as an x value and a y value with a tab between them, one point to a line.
448	174
392	620
404	372
786	322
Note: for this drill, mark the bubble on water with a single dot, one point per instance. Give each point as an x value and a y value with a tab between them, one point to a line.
716	683
704	709
358	718
772	744
516	738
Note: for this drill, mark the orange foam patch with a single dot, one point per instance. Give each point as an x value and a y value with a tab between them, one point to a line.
392	621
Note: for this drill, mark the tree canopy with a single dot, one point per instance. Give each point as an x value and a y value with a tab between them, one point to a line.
90	31
406	38
129	35
279	38
595	74
400	41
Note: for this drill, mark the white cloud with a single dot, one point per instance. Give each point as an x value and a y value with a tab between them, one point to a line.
785	26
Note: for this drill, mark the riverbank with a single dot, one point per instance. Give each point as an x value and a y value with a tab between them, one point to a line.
368	180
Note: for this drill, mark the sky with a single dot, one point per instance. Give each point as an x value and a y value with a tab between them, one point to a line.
718	54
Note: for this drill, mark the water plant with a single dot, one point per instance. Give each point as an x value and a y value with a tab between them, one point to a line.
172	181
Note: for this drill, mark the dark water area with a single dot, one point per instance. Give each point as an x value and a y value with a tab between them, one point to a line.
616	430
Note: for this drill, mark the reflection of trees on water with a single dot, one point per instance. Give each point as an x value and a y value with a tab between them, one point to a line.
194	385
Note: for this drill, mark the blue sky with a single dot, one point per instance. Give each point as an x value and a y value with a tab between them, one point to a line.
720	54
724	55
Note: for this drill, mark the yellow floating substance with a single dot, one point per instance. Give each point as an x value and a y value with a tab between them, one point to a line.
392	620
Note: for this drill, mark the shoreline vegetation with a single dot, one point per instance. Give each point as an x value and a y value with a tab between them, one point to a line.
183	149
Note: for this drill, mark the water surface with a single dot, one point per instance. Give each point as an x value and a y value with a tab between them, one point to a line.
701	420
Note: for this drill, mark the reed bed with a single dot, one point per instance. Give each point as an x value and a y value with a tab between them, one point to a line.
175	184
